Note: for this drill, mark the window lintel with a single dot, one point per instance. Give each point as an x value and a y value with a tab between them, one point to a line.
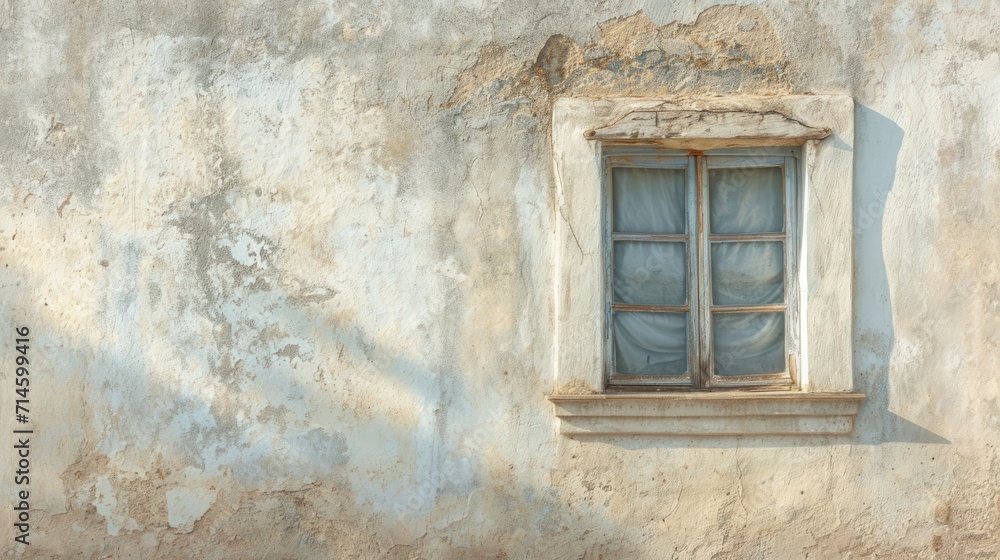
704	130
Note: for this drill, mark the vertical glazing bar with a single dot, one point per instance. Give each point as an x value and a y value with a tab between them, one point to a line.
704	278
606	225
693	297
792	325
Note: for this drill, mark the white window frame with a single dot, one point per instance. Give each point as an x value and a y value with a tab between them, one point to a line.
821	401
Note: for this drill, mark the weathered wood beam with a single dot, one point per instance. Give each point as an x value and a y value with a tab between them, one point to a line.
707	129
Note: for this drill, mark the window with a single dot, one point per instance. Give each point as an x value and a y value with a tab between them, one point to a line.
701	286
702	254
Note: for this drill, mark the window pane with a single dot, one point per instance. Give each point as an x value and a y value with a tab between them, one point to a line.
649	273
748	343
746	200
746	273
647	200
650	343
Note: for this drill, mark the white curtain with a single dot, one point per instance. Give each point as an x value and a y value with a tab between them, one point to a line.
748	273
650	273
648	200
746	200
650	343
748	343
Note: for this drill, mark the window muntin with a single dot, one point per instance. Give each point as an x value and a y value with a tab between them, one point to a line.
700	271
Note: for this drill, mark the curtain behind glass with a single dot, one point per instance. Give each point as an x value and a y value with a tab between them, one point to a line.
746	200
650	343
748	343
650	273
748	272
648	200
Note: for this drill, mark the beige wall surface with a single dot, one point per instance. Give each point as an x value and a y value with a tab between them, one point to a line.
288	273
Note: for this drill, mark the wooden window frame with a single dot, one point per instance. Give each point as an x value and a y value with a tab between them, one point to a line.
698	240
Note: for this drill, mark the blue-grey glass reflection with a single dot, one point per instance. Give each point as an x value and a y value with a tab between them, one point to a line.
746	200
748	273
748	343
648	200
650	343
649	273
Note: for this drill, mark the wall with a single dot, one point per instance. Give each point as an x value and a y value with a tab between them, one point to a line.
287	270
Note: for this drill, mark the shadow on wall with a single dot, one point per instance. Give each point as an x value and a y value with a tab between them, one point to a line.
877	143
245	455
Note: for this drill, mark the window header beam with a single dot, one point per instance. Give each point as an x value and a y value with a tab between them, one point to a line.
704	130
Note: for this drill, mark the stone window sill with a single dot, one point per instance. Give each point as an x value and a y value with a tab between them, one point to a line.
707	414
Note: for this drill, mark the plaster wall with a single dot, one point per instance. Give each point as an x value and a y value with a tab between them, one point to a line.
288	273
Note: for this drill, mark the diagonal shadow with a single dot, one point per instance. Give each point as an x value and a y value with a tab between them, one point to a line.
877	143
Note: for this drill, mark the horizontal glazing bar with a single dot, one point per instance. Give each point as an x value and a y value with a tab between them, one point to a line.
675	237
763	379
621	379
650	308
720	238
666	162
776	307
717	162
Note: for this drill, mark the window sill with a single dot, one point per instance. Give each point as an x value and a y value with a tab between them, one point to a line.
707	414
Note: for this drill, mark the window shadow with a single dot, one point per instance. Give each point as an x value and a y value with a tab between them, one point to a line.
876	149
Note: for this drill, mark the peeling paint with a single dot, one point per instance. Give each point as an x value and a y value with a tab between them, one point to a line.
185	506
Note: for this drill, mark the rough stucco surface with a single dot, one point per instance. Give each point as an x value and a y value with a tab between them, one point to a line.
288	273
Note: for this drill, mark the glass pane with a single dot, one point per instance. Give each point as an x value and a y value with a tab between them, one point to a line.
650	343
650	273
747	273
647	200
746	200
748	343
